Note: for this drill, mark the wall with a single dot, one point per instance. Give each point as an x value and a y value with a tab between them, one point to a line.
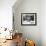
43	22
29	32
6	13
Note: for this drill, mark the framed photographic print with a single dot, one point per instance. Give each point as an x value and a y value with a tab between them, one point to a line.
28	18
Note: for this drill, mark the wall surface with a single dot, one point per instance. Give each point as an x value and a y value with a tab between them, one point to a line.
29	32
6	13
43	22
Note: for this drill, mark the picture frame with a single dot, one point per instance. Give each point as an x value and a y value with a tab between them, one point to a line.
29	19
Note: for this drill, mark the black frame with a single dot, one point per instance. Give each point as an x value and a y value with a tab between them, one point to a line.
29	24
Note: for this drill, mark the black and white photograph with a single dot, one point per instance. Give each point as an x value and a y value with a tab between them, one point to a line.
28	18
